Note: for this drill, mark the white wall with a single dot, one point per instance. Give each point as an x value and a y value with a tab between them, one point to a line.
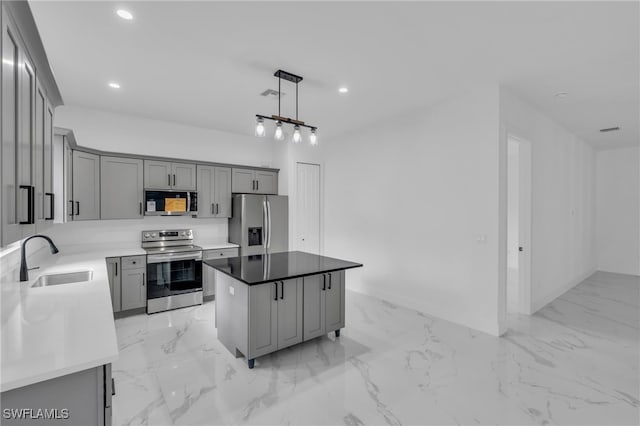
563	207
410	197
136	135
618	210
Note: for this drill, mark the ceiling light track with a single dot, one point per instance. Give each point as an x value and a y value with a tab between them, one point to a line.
279	119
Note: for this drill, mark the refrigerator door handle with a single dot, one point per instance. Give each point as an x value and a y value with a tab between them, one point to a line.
265	224
269	218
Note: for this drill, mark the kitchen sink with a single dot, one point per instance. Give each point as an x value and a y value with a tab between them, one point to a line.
64	278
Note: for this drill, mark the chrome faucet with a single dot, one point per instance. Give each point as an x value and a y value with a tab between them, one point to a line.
24	272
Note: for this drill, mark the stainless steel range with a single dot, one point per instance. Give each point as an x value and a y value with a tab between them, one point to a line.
174	269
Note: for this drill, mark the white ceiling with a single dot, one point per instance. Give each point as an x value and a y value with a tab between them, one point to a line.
205	63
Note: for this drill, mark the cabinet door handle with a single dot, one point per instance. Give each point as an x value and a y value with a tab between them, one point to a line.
116	268
212	209
77	208
217	208
329	280
324	282
30	204
144	279
281	290
51	204
71	214
140	208
169	179
174	180
257	185
276	298
113	387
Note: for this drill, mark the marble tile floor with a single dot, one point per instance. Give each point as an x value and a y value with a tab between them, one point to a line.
575	362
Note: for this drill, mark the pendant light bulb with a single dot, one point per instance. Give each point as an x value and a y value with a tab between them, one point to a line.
279	134
260	131
313	138
297	137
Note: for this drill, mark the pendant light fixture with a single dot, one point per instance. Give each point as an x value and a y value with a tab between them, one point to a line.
279	119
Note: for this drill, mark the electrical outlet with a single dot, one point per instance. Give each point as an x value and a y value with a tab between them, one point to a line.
232	291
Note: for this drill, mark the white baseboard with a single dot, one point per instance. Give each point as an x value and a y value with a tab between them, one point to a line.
539	304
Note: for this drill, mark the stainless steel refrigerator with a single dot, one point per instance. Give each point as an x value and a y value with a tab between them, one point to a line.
260	223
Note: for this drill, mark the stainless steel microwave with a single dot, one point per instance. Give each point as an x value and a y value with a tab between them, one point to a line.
170	203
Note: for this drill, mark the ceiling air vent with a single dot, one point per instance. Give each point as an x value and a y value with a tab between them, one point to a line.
270	93
610	129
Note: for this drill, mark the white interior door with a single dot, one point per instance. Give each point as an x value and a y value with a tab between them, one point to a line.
308	207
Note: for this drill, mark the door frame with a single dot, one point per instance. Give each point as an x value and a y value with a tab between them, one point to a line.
524	224
320	206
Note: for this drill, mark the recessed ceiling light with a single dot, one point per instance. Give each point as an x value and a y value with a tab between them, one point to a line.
124	14
343	90
561	95
114	85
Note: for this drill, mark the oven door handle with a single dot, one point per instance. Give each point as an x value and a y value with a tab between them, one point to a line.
170	257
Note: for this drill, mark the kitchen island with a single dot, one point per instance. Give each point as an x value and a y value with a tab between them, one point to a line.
268	302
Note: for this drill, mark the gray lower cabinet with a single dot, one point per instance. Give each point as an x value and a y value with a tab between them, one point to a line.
81	398
114	272
214	191
86	186
249	181
323	304
208	273
133	282
275	316
121	188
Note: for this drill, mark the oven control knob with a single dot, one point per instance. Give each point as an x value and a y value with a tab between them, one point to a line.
183	233
153	234
147	235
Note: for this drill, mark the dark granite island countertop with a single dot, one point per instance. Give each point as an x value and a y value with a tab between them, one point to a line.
263	268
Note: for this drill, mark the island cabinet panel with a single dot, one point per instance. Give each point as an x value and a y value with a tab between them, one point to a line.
334	295
275	316
263	319
114	272
290	313
323	304
314	306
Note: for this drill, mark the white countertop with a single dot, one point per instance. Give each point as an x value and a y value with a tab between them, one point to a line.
214	245
49	332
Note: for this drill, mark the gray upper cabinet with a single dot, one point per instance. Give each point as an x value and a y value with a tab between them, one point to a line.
243	181
266	182
18	136
168	175
121	188
157	174
214	191
249	181
183	176
43	157
86	186
275	316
